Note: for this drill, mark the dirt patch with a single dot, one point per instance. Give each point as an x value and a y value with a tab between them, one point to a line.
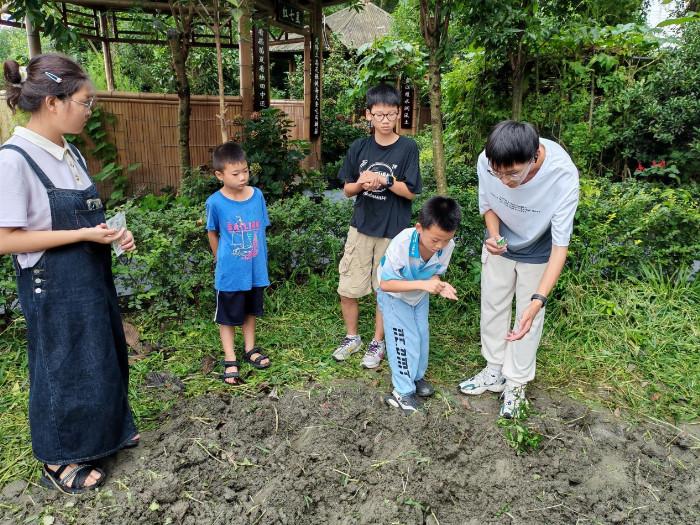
335	454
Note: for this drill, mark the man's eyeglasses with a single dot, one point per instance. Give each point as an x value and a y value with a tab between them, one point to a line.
514	176
89	104
379	117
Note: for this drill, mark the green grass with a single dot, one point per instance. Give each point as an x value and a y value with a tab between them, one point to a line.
631	345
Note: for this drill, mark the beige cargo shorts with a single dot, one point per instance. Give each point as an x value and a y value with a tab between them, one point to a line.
358	267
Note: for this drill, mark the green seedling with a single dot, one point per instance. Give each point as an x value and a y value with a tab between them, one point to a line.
501	242
518	435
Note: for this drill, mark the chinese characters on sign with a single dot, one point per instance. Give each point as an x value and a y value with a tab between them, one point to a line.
315	87
290	14
261	71
406	104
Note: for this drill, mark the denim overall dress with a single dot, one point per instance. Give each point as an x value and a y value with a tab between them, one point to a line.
78	365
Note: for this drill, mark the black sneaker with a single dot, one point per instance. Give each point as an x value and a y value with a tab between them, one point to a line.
408	403
424	389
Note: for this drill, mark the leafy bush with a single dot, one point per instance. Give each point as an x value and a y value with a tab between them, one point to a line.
621	227
338	133
306	237
198	184
171	273
8	289
273	157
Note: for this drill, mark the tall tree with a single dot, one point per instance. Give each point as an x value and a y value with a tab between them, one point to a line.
217	14
179	39
434	24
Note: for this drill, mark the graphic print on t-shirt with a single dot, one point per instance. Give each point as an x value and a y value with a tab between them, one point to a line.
383	170
244	238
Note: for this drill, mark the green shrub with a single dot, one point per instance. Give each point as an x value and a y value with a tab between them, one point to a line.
338	133
171	274
273	157
198	185
8	289
306	237
621	227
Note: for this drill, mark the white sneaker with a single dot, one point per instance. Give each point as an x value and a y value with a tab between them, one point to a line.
483	381
513	401
374	354
348	346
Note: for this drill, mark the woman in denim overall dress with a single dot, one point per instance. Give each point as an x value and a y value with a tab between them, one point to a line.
52	221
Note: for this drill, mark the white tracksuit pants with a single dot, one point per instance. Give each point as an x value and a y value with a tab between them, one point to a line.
500	279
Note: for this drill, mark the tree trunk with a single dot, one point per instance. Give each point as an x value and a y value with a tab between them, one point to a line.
435	77
434	23
179	49
33	38
220	71
517	66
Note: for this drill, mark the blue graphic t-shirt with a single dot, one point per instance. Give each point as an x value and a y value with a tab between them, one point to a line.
241	258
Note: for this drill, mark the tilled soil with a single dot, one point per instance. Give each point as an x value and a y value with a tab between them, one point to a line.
336	454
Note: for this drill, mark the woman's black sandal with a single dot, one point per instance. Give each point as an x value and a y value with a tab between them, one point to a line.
132	443
78	475
231	375
256	362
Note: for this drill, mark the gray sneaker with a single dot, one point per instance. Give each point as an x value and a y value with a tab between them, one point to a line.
483	381
424	389
374	354
513	401
348	346
408	404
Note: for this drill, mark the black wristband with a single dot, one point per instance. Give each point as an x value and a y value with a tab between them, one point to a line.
539	297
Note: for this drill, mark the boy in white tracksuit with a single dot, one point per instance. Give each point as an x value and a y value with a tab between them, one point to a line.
528	194
408	273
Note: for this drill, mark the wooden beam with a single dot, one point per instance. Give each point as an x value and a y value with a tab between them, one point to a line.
245	58
122	4
107	51
317	31
307	87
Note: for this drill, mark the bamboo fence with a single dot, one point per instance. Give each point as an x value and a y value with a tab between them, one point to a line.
146	132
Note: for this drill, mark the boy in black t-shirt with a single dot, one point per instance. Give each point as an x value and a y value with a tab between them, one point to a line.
382	172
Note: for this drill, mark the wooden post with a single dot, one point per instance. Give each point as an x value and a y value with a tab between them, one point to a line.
245	54
33	38
107	51
306	131
316	32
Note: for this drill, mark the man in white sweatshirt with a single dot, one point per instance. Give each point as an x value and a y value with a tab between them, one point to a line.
528	194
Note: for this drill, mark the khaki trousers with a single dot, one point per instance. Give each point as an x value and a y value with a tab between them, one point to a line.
501	278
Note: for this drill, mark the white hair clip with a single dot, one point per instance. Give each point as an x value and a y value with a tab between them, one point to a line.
22	77
53	77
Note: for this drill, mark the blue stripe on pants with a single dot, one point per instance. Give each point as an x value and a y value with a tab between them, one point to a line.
407	340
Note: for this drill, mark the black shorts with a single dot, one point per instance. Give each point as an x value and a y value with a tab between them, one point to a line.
233	307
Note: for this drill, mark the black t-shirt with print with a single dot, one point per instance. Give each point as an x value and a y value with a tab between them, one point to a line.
382	213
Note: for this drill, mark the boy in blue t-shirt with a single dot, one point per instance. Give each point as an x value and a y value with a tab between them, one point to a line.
236	222
408	273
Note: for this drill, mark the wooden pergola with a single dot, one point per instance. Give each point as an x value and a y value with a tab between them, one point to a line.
103	22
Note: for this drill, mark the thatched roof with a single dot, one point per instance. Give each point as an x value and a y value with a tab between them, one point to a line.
353	28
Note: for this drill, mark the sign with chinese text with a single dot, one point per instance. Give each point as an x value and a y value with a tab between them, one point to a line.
406	104
289	14
261	70
315	87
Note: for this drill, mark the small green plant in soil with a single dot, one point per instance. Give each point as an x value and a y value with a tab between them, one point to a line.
517	434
